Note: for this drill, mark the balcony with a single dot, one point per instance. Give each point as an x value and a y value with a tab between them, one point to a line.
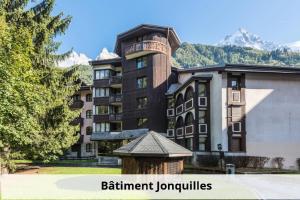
115	117
76	121
115	99
115	81
145	47
80	139
77	104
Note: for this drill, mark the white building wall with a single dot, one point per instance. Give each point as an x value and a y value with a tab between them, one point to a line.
273	116
216	111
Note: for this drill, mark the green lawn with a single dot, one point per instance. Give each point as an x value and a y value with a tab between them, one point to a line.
54	162
78	170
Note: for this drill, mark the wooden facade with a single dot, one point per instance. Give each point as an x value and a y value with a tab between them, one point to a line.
137	165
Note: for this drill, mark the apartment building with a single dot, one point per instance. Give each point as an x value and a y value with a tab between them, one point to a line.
240	109
84	148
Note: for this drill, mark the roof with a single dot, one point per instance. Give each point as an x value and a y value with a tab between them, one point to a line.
145	28
112	61
173	88
176	87
126	134
242	68
153	144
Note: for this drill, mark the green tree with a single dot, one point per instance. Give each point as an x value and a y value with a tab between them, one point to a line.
35	94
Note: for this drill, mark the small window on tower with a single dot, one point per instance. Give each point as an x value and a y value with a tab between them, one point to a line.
141	62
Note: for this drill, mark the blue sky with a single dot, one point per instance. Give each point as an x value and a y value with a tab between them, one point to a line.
96	23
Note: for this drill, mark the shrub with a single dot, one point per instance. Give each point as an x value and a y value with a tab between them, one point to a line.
208	160
258	162
298	162
278	162
238	161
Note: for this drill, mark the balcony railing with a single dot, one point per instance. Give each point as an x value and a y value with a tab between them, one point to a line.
115	117
76	121
77	104
145	47
115	98
179	131
189	130
115	80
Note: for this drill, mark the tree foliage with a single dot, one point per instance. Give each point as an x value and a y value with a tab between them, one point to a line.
192	55
35	94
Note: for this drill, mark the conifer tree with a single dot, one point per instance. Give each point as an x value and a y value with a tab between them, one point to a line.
34	114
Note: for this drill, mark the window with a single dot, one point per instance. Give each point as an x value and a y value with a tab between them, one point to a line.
101	92
76	97
142	102
102	127
202	90
202	117
236	127
236	83
89	114
102	74
89	130
142	122
170	112
202	141
202	101
89	98
142	82
141	62
101	110
203	128
170	132
88	147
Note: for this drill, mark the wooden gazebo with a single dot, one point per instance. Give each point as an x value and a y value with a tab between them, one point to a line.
152	153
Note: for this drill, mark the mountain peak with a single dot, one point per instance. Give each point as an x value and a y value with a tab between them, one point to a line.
242	30
74	59
105	54
244	38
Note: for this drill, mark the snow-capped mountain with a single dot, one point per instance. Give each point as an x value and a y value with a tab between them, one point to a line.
243	38
105	54
75	59
293	46
81	59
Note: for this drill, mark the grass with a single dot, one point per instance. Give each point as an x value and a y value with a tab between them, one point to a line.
78	170
54	162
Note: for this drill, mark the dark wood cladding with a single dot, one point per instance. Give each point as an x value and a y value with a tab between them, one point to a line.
77	121
147	45
101	83
77	104
236	112
98	101
115	80
101	118
136	165
158	72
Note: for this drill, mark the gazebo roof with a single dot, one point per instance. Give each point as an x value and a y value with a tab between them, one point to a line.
153	144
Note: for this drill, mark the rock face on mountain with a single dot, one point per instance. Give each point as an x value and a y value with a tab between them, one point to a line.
74	59
243	38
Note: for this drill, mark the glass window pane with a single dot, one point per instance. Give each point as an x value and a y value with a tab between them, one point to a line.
202	90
